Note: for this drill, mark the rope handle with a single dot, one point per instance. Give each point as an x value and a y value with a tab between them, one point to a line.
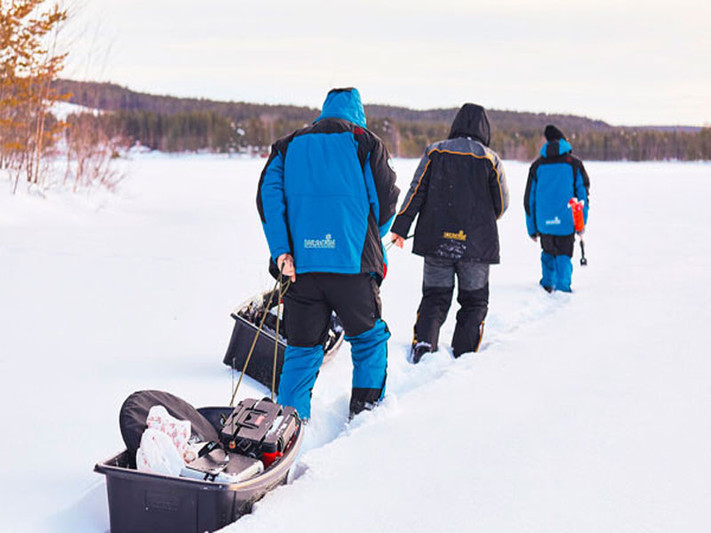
279	287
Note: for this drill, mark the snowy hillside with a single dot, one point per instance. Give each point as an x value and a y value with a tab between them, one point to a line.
585	412
61	110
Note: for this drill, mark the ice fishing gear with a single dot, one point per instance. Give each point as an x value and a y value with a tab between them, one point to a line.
133	418
583	260
218	486
221	467
247	317
227	458
260	429
576	206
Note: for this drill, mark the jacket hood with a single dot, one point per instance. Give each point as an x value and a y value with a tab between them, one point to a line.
344	104
471	121
556	148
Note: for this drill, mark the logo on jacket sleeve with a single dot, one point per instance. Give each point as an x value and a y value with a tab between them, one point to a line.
327	243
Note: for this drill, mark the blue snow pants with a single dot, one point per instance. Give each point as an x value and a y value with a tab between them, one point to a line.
556	263
308	305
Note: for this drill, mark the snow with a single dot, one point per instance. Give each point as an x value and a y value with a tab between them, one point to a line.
585	412
61	110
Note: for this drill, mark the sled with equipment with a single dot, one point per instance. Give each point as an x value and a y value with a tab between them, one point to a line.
266	307
255	432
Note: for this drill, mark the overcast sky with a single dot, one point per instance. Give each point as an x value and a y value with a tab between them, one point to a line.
627	62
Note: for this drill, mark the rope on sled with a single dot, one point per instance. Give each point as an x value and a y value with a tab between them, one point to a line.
280	288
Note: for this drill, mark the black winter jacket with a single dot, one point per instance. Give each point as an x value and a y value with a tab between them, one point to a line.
459	190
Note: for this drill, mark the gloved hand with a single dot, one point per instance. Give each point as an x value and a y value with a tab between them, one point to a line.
581	231
534	237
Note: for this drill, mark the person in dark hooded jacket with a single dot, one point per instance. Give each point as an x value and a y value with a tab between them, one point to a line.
459	192
553	179
327	197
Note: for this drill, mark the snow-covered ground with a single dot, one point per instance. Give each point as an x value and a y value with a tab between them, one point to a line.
586	412
61	110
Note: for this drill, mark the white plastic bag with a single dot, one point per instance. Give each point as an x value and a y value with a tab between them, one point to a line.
177	430
164	444
158	455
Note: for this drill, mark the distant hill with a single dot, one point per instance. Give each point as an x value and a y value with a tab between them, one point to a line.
172	123
112	97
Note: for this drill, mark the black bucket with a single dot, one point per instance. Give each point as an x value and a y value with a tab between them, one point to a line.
261	364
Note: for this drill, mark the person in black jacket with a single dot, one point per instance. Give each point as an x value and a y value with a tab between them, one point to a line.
459	191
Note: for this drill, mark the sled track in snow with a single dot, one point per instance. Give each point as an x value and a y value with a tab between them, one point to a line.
525	307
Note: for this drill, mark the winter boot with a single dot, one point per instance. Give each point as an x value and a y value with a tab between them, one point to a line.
358	406
418	349
547	289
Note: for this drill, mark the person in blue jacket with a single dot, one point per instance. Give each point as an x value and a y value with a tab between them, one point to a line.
553	179
326	198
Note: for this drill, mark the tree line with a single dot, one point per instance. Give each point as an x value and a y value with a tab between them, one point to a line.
190	124
194	131
36	140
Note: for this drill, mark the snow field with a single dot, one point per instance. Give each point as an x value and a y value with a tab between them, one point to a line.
582	412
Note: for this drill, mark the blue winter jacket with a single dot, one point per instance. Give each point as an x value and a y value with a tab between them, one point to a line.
553	179
327	194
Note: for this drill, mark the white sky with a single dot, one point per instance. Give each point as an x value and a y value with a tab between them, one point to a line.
627	62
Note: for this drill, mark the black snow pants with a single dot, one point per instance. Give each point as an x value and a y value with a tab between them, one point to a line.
437	292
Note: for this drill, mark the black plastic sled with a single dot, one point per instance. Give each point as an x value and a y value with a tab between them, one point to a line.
152	503
261	364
